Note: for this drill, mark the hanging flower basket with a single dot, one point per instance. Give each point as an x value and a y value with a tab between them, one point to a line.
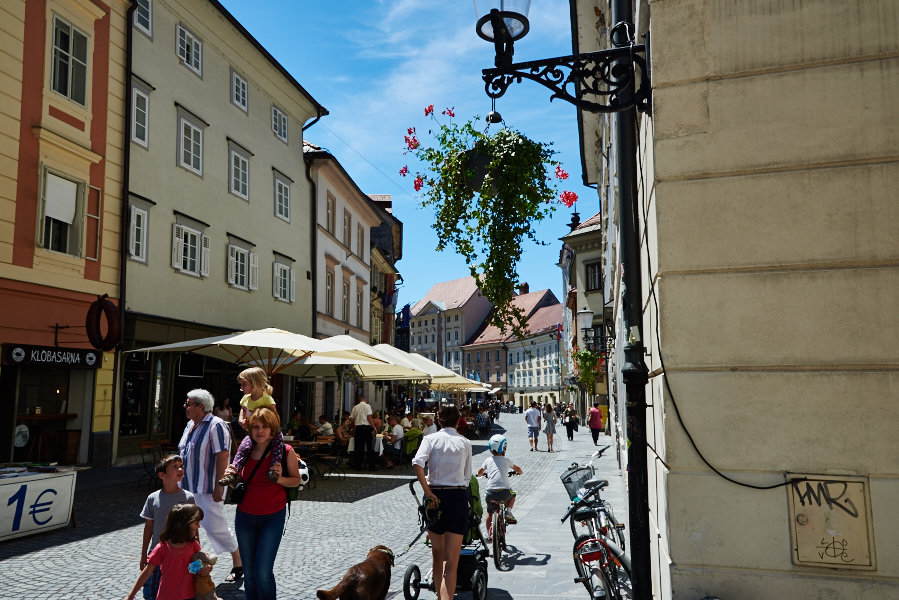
488	191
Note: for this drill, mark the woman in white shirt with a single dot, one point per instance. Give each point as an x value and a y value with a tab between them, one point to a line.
448	458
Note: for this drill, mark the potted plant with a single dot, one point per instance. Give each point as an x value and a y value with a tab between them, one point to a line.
488	191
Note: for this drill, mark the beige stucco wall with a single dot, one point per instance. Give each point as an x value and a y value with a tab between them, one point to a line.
156	288
773	228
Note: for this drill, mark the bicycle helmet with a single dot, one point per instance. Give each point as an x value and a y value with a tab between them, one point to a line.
497	444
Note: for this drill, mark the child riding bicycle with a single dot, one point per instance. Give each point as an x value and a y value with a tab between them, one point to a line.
497	467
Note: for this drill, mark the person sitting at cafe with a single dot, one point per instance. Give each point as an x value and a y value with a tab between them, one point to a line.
406	423
324	427
393	441
345	432
299	427
429	426
378	424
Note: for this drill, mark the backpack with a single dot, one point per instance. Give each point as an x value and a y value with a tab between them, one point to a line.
293	493
476	511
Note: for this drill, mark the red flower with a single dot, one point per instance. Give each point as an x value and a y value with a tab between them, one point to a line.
418	183
404	171
412	142
568	198
411	131
449	112
429	109
561	173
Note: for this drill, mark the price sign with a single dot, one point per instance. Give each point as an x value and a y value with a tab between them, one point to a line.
34	503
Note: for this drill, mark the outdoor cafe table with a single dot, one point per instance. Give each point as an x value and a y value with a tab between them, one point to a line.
378	445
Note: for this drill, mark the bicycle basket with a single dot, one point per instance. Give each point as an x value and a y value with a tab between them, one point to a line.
574	478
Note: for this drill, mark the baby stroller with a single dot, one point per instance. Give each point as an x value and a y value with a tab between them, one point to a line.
471	574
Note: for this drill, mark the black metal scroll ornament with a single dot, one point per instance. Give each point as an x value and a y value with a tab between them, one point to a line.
593	81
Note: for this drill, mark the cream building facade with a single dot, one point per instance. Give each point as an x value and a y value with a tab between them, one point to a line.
220	217
768	217
345	217
61	161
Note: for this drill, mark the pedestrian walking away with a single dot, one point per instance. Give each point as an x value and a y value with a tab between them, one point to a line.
447	455
595	422
533	419
549	418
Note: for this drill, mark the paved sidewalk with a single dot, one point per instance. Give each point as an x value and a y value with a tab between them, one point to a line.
332	527
541	546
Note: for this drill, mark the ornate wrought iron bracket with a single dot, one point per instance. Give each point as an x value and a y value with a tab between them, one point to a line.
593	81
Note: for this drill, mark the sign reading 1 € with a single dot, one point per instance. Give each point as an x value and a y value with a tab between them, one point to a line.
34	503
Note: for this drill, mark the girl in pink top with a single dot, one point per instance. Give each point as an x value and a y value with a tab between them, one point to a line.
595	422
177	544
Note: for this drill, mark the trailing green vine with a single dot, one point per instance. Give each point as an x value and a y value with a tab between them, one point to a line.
588	365
487	192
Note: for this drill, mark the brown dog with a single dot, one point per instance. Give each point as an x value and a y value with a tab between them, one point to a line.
368	580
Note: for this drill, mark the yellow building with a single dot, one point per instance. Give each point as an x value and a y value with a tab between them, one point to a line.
62	98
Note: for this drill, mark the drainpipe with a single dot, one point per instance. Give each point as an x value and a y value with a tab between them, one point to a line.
313	219
125	229
634	371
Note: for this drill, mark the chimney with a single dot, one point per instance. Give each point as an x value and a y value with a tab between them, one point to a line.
524	288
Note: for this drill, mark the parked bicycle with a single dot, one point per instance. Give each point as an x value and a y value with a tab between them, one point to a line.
593	515
598	551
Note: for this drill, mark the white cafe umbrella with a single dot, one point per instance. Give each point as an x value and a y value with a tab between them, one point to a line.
271	348
441	377
387	369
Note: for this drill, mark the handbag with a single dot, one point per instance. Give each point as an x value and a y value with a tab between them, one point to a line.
240	490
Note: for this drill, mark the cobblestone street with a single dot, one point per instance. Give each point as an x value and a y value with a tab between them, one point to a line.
330	529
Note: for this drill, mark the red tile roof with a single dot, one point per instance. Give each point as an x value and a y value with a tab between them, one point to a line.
528	303
452	294
594	220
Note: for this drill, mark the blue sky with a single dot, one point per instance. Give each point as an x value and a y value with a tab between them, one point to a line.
375	65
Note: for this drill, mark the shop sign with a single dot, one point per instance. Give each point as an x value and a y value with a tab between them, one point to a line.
31	504
20	355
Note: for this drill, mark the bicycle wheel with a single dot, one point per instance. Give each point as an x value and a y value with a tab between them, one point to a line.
582	572
616	574
578	528
499	534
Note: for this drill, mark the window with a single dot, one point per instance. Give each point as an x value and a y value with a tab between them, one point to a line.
190	251
345	303
477	356
62	222
330	214
282	282
448	336
239	91
143	16
510	358
329	294
69	62
486	355
190	154
594	276
137	237
239	174
347	221
282	198
468	357
487	376
190	50
432	338
457	336
360	241
497	374
140	123
279	123
497	356
359	308
243	268
419	340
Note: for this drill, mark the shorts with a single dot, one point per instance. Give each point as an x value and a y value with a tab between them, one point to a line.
453	511
533	432
496	496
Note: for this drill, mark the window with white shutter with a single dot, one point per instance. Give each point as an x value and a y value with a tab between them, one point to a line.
137	237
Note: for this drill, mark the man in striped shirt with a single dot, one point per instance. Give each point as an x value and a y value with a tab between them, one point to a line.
205	449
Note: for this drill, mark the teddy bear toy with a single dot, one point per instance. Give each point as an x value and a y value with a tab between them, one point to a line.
203	584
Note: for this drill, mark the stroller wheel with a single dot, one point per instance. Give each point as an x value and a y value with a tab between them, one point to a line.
479	584
412	583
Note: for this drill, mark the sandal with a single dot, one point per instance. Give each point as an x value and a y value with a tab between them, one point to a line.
235	575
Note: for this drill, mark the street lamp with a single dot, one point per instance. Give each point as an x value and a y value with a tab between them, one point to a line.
602	81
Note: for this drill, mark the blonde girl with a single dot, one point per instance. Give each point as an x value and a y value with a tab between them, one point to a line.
177	544
254	384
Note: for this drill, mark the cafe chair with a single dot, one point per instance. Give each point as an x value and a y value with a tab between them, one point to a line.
148	459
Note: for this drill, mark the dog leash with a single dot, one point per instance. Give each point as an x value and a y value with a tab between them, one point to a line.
426	516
